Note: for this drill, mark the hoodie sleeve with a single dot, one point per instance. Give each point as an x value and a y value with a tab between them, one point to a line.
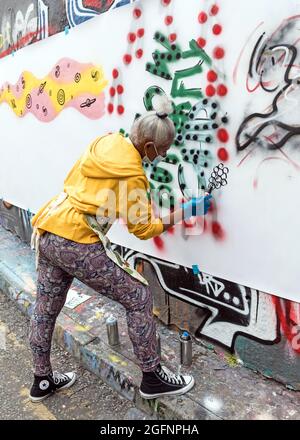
139	214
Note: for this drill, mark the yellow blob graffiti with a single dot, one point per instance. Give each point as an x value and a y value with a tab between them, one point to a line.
69	84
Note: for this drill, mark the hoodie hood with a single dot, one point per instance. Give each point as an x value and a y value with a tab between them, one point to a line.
111	157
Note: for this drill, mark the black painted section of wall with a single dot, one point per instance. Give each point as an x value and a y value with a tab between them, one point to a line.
16	220
277	362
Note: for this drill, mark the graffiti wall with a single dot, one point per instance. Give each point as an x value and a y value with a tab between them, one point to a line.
261	330
233	80
231	105
264	333
28	21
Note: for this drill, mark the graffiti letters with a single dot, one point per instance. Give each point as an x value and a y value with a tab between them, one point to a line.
21	27
198	121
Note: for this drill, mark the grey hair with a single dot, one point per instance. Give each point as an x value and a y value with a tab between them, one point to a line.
155	126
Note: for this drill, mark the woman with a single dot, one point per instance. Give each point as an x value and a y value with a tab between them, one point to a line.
107	182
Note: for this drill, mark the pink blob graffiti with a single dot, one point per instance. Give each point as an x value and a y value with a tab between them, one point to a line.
91	106
66	70
41	106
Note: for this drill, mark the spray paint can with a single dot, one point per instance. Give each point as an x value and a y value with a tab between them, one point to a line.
112	331
186	349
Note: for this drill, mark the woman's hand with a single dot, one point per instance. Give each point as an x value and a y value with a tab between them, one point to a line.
195	207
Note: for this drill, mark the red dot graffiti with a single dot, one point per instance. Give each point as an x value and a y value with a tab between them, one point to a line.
202	17
173	37
131	37
120	89
212	76
210	90
223	135
127	58
115	73
201	42
110	108
139	53
140	32
135	37
137	12
217	230
214	10
218	53
222	90
169	21
134	50
115	92
217	29
120	109
159	243
171	230
223	154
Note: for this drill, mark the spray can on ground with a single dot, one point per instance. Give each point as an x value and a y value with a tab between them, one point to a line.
112	331
186	349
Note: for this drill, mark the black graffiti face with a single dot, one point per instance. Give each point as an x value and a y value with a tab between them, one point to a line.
272	68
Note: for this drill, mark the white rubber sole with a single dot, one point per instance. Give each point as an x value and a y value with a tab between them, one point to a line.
169	393
40	399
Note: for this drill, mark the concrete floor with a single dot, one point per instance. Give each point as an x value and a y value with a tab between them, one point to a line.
88	399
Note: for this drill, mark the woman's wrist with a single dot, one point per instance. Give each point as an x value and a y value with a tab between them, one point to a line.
172	219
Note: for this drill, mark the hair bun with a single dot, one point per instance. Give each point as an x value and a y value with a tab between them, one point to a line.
162	115
162	106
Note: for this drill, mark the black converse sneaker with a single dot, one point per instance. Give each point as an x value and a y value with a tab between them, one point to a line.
43	386
162	382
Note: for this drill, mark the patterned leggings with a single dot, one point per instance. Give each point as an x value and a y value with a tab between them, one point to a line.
60	261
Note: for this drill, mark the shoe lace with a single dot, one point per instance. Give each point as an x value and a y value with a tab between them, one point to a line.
59	377
168	376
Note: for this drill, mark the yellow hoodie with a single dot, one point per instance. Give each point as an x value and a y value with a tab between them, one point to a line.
110	163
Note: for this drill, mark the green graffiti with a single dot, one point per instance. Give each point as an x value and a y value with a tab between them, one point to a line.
172	158
161	175
149	95
178	89
162	59
180	114
196	51
195	124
